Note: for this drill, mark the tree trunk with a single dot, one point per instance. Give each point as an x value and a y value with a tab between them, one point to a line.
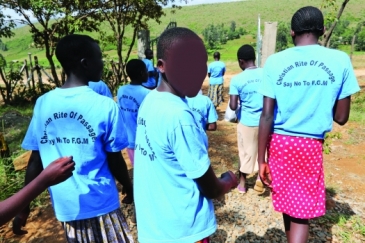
51	63
327	35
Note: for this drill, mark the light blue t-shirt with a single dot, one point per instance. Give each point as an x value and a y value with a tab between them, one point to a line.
101	88
306	81
245	85
130	98
171	151
203	110
216	70
151	82
159	78
79	122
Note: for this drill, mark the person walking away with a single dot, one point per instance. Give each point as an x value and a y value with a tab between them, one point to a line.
305	89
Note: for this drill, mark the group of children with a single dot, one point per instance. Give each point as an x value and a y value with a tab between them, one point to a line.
285	110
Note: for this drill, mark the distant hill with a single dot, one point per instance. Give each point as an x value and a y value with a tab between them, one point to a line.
197	17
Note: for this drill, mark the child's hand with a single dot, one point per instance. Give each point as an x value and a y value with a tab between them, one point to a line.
58	171
230	177
265	175
128	199
19	221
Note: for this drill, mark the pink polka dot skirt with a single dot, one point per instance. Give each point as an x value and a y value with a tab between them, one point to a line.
296	165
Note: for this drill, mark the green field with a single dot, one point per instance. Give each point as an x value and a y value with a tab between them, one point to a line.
197	17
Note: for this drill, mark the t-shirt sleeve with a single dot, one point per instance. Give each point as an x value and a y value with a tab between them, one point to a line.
267	85
30	139
150	67
209	68
212	113
190	149
233	88
116	136
107	91
349	82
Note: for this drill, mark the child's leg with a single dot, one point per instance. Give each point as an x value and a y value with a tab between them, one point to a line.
287	226
296	230
299	230
243	179
131	155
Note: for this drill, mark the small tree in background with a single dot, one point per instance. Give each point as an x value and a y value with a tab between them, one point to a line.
283	36
6	24
360	41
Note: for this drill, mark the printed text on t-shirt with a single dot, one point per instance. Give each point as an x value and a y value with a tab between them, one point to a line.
151	154
300	64
70	116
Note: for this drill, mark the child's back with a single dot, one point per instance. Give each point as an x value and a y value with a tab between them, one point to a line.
171	154
130	98
80	122
203	110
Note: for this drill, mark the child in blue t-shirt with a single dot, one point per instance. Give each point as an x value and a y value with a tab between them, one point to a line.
243	90
75	120
305	89
204	111
216	71
173	180
130	97
101	88
151	82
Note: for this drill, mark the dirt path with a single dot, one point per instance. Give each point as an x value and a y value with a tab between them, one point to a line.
250	217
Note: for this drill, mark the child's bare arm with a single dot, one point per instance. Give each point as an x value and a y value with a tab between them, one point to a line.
213	187
56	172
119	170
341	110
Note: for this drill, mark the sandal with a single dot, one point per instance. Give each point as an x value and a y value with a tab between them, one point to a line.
241	189
259	186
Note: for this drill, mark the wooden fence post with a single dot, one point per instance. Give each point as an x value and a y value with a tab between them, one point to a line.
31	69
39	74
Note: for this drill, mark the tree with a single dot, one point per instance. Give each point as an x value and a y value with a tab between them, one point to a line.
214	36
56	19
327	4
6	25
360	42
283	34
122	13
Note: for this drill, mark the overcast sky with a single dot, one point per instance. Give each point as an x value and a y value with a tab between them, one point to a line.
190	2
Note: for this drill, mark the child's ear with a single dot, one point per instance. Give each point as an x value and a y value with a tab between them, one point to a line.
161	65
84	63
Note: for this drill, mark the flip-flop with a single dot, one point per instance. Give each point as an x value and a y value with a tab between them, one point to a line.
259	186
241	189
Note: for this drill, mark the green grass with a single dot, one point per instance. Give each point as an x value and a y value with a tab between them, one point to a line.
197	17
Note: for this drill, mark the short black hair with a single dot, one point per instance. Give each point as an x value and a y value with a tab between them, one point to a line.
148	51
72	48
169	37
247	53
217	55
308	20
134	68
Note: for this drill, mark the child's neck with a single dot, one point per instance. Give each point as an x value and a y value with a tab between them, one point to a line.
73	81
135	82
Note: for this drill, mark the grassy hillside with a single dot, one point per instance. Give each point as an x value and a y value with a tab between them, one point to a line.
197	17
